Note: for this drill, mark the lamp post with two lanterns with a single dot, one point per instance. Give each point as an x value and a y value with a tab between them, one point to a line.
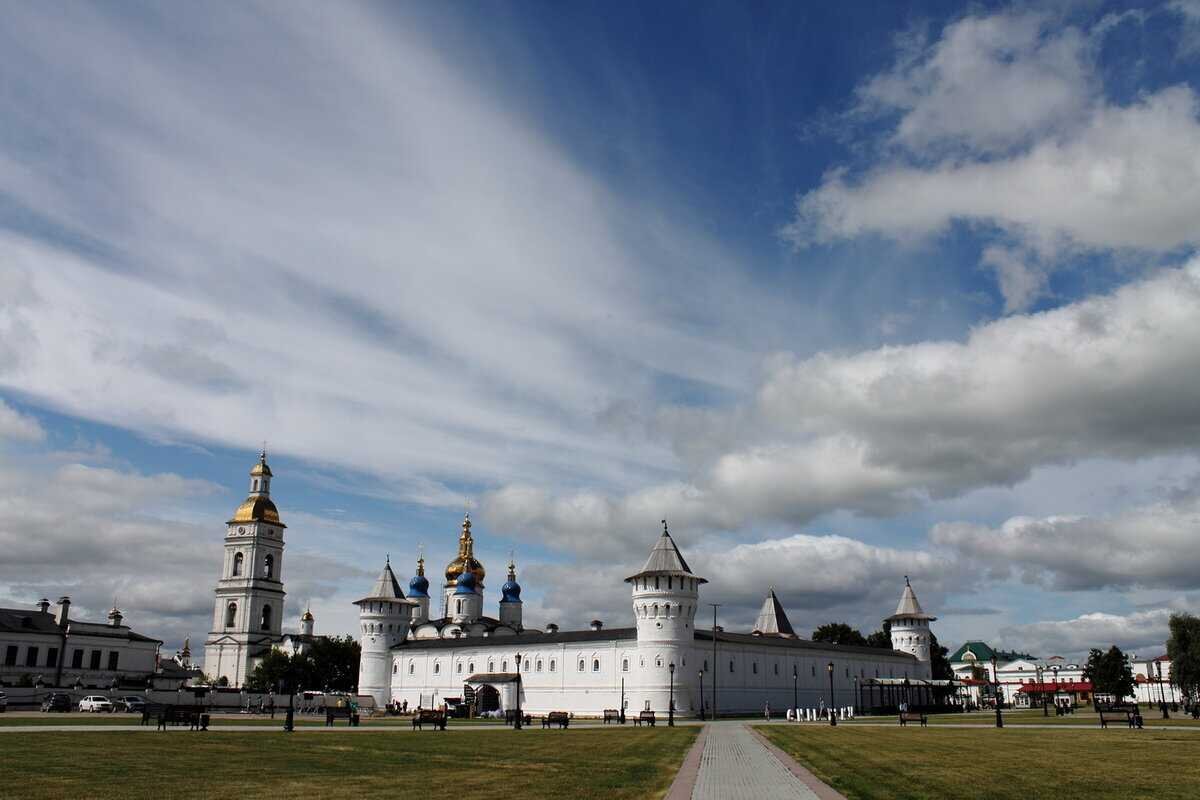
832	713
671	702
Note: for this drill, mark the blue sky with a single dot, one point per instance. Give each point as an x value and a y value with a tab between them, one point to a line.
844	293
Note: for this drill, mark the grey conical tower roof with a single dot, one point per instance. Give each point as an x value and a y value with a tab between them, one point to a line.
909	606
665	559
772	619
386	586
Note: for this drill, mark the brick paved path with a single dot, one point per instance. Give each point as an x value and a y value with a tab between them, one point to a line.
736	765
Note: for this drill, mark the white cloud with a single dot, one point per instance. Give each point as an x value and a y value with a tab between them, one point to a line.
1141	632
19	427
1021	279
988	84
883	430
1148	547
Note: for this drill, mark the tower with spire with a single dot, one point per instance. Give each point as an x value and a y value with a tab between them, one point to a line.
910	628
665	595
248	609
772	619
384	617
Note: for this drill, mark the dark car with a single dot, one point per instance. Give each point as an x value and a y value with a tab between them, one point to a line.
130	703
57	701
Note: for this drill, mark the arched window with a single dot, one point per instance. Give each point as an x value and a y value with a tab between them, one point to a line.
669	582
754	667
411	668
237	564
437	668
395	668
491	666
458	607
269	566
503	666
706	665
776	667
625	665
266	618
471	667
231	614
552	665
539	665
526	667
595	665
581	666
656	582
731	665
658	661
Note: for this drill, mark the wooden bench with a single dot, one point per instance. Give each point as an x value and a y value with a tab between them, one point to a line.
646	717
333	713
560	718
611	715
1131	716
913	716
427	716
193	716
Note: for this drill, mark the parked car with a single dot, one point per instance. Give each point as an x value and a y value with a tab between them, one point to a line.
3	702
56	701
130	703
96	703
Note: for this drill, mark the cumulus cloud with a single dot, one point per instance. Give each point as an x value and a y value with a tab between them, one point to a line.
1144	631
19	427
881	431
988	83
1147	547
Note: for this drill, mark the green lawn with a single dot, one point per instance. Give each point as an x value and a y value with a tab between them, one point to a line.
621	763
76	718
1085	717
1009	764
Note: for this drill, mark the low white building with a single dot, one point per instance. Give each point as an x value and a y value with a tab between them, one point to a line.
497	662
60	651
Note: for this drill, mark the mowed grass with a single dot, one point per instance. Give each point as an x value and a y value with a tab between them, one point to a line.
76	718
1084	717
624	763
1009	764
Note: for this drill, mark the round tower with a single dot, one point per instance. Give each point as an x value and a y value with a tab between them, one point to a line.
418	592
510	600
910	630
665	595
384	618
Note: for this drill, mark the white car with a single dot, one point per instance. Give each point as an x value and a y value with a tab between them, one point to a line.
95	703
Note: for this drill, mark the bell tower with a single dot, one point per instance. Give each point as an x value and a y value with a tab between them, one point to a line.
248	611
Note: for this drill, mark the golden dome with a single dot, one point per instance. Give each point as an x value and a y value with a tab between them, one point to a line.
257	508
261	467
308	617
465	561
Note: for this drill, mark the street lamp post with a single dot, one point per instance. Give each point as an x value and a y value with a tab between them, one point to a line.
671	702
1161	691
622	717
832	713
996	693
517	719
701	674
795	690
1042	688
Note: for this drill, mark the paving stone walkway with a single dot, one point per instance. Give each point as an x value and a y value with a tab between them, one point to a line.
735	764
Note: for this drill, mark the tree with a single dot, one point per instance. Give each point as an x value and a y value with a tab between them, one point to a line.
333	663
1109	673
839	633
881	638
270	672
938	660
1183	648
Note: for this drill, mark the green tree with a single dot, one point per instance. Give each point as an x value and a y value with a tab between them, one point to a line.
881	638
269	673
1109	673
1183	648
333	662
939	660
839	633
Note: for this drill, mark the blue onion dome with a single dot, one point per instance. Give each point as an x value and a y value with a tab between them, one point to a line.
466	583
419	585
511	589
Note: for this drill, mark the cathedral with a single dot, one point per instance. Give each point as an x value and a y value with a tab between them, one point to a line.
497	663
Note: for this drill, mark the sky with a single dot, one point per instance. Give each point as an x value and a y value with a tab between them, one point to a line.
846	294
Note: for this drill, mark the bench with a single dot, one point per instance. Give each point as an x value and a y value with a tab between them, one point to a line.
1131	716
611	715
646	717
333	713
559	718
435	718
193	716
913	716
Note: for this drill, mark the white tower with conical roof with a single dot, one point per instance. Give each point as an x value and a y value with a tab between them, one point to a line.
910	629
384	616
665	596
248	612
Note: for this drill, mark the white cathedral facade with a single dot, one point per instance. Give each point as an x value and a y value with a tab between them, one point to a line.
411	656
